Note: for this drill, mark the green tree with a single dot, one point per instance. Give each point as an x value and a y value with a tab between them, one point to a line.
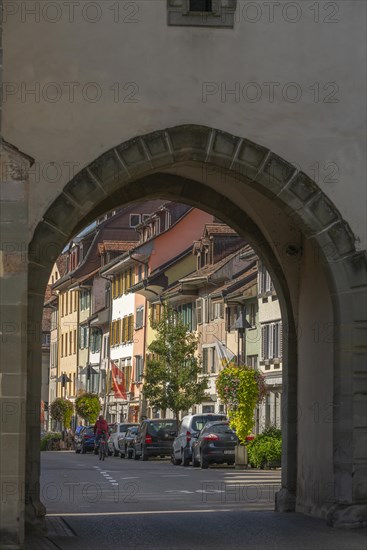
88	406
62	410
172	378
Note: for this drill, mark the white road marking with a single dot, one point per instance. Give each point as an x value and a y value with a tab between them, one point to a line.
140	513
130	477
175	475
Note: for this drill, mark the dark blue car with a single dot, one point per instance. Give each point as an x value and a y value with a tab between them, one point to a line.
84	441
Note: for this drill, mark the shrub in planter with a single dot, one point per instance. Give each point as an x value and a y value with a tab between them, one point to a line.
61	410
265	451
88	406
56	436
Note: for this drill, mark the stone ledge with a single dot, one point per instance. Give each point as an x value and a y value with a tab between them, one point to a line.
347	516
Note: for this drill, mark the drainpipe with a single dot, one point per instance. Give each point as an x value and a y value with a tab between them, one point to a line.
106	399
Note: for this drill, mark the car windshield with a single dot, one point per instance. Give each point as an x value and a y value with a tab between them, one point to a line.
124	428
199	422
222	429
167	425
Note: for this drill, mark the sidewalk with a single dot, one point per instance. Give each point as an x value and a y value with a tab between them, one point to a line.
197	531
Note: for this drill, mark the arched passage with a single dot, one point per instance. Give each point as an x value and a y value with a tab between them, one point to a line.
309	251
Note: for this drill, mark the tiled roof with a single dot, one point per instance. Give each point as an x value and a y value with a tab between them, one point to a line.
219	228
111	246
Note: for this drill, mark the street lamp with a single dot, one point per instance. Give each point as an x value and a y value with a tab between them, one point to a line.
64	379
240	325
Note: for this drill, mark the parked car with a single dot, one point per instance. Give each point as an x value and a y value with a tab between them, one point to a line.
190	427
154	438
84	441
215	444
118	430
126	440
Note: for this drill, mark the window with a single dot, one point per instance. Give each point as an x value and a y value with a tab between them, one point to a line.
208	409
265	282
74	341
271	341
200	5
139	318
252	315
202	13
106	339
217	310
252	361
187	314
95	343
209	360
83	335
156	312
70	342
84	300
134	220
139	364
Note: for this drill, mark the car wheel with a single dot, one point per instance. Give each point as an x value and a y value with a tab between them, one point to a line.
144	456
231	463
204	464
184	460
77	451
195	463
175	461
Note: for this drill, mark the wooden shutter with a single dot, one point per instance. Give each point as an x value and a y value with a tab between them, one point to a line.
280	339
199	311
205	360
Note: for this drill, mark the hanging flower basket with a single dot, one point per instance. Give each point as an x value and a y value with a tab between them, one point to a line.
241	388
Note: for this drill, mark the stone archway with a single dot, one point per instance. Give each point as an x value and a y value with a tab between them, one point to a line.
209	169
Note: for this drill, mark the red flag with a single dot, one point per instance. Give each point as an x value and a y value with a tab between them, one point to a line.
42	412
118	382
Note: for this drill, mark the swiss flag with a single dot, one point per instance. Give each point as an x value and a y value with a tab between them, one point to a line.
118	382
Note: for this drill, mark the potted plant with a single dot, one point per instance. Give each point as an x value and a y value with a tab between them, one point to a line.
241	388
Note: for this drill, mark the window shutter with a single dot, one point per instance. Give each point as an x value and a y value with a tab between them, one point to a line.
206	303
211	309
199	311
205	360
266	342
280	336
221	310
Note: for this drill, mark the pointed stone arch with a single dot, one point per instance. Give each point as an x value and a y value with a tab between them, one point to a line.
151	166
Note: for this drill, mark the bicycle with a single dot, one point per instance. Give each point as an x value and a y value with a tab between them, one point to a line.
103	451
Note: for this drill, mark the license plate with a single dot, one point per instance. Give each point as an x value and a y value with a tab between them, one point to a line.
228	452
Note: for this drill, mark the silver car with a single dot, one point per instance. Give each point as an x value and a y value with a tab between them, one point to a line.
190	427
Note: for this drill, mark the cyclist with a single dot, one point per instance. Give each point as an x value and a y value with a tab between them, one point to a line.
100	428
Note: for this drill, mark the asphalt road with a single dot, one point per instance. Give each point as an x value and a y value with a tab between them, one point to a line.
81	484
157	506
